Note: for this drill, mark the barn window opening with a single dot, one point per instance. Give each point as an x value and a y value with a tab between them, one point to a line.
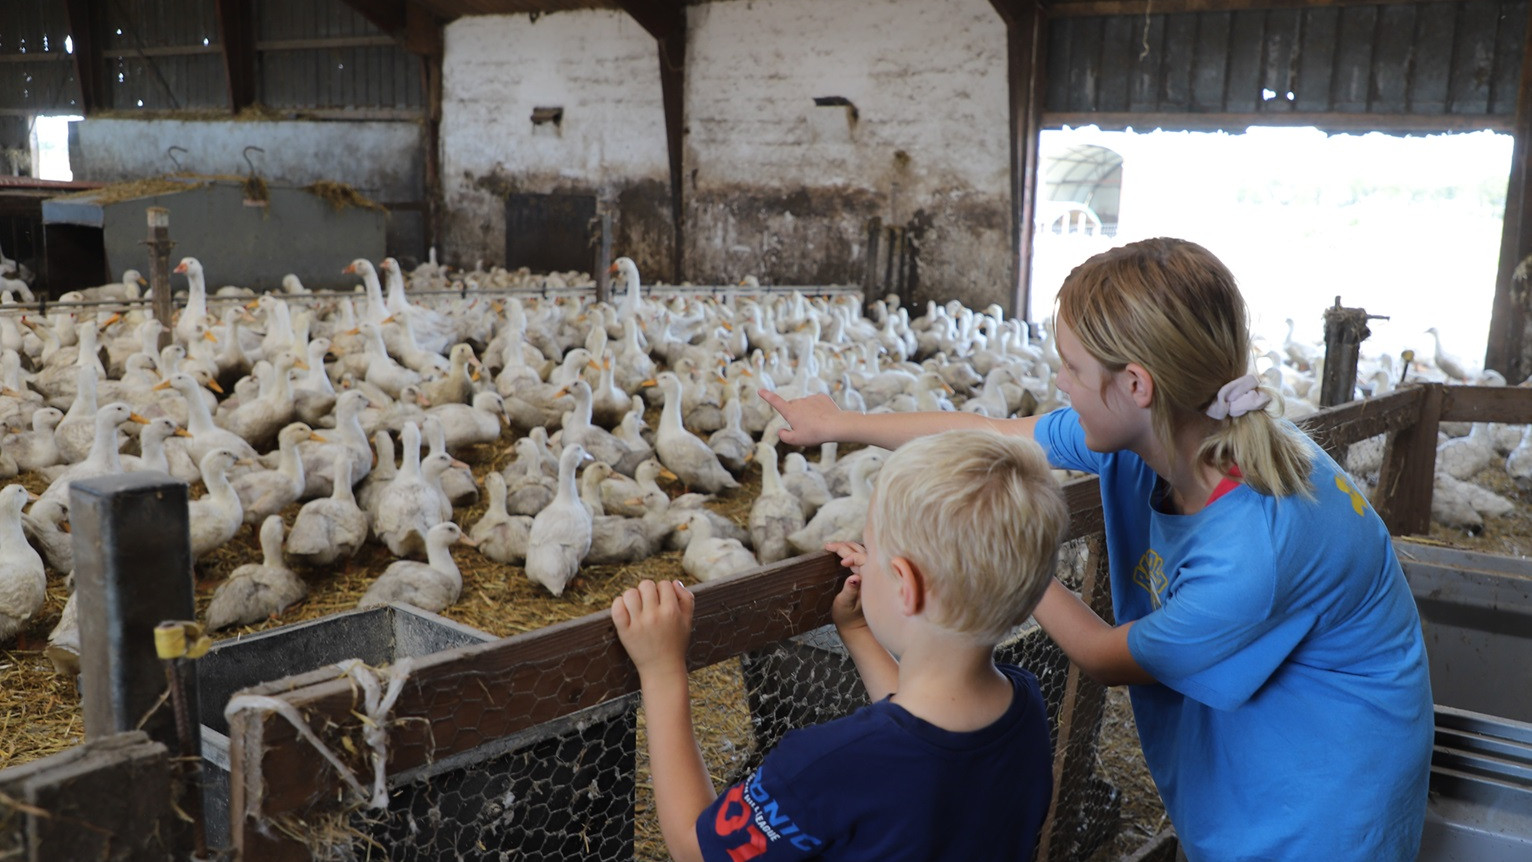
50	147
1403	226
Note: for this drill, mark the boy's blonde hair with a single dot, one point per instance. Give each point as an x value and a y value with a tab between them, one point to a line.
980	515
1172	307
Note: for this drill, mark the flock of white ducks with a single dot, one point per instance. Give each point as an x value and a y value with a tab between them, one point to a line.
289	399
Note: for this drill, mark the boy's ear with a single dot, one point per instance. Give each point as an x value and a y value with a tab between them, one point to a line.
1138	383
912	585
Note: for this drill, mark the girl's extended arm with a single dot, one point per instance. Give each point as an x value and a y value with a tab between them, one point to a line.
1100	649
816	419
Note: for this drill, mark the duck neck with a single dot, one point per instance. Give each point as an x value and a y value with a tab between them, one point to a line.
439	556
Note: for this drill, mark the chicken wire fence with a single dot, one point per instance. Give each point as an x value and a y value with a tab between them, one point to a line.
535	750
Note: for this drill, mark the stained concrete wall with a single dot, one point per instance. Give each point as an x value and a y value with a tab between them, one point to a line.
602	69
384	160
775	186
783	188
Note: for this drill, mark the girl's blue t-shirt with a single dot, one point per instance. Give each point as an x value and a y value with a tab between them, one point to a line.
1292	718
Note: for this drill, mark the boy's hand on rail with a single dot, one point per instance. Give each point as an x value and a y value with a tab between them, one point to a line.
846	612
654	623
810	418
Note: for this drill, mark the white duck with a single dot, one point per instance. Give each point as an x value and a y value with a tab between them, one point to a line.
776	512
561	532
329	528
684	453
257	591
195	312
529	487
151	446
381	476
37	448
46	529
598	442
412	503
76	430
314	395
457	483
23	581
204	435
732	443
466	425
708	557
348	437
103	458
501	536
267	492
841	519
433	585
214	518
456	387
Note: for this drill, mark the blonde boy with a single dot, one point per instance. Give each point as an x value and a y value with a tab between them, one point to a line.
951	759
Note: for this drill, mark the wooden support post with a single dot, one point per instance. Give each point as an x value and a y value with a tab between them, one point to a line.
1345	330
160	244
236	27
1509	350
1406	479
133	570
666	22
1026	35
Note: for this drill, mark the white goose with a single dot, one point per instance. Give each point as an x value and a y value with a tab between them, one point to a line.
457	483
561	532
37	448
103	458
23	581
215	518
841	519
267	492
598	442
412	503
433	585
205	436
529	487
371	488
314	396
76	430
683	452
708	557
732	443
776	513
46	529
501	536
348	437
195	312
329	528
257	591
151	446
466	425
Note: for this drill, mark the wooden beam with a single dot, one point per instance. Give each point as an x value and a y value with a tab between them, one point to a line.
665	20
1026	35
236	25
1510	319
84	23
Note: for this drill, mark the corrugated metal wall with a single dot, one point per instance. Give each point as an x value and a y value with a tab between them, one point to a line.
36	71
165	55
1434	59
325	55
162	55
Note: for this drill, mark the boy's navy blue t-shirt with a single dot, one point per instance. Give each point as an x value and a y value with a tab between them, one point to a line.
883	784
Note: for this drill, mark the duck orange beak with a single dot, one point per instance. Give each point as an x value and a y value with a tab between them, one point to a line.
317	438
180	268
349	270
207	335
109	321
181	432
612	270
213	385
466	539
134	417
163	384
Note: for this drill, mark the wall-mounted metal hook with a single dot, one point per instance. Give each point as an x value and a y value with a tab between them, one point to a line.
171	152
246	154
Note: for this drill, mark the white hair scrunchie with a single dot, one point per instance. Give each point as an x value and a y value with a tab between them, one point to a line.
1238	397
